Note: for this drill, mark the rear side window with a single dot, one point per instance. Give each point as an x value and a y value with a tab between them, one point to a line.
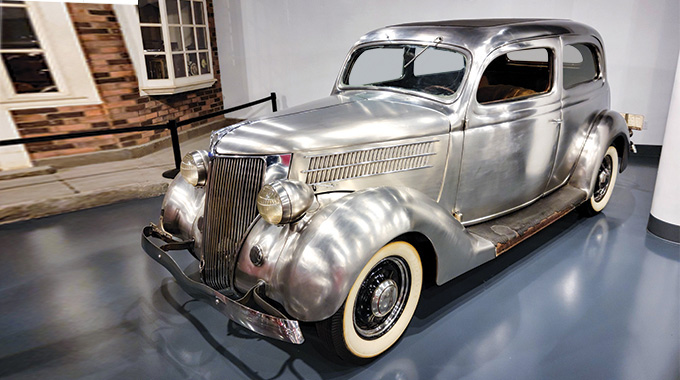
517	75
581	64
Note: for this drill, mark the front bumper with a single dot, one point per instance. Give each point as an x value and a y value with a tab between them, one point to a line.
274	326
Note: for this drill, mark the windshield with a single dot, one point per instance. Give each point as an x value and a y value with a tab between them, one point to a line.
427	69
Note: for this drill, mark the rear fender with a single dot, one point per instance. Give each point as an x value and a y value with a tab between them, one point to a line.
609	128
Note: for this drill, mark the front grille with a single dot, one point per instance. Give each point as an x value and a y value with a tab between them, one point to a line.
232	187
369	162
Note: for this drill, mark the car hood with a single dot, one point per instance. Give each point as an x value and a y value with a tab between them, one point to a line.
333	122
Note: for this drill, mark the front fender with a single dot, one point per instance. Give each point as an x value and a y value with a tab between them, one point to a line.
609	128
320	260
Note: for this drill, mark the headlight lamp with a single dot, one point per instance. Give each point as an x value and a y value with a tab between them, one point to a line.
284	201
194	168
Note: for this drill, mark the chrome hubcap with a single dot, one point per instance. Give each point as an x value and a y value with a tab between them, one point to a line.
384	298
603	178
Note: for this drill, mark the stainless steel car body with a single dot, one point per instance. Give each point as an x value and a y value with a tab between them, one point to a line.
384	163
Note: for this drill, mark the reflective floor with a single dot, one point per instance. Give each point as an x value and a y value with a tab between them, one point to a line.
594	298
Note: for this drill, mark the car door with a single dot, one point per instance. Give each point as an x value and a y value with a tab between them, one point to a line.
585	94
510	138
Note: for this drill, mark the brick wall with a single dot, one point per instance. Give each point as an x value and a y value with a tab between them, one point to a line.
107	56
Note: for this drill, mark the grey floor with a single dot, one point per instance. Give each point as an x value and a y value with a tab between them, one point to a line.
594	298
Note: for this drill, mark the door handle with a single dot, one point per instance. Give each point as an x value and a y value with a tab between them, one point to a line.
556	121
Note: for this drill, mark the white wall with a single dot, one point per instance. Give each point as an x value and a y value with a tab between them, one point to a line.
296	47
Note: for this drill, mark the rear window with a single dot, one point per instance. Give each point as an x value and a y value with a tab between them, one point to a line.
581	64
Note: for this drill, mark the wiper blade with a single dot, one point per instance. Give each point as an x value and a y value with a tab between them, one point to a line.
436	42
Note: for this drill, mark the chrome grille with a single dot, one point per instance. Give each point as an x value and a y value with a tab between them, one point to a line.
369	162
232	187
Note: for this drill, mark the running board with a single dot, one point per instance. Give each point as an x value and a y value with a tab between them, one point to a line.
509	230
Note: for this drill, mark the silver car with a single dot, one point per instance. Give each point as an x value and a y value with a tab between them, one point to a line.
441	146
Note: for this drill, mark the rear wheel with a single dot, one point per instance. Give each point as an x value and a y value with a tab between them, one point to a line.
379	305
604	183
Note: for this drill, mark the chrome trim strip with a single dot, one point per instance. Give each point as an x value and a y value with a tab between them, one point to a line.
373	175
373	148
368	162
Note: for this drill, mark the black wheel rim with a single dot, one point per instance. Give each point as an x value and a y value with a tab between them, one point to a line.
604	176
382	297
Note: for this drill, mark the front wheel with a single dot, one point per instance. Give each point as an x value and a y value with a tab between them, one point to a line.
604	183
379	305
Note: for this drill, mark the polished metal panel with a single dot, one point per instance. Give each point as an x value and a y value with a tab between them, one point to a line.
580	106
361	117
607	127
182	207
311	265
273	326
480	41
509	147
376	164
324	168
233	185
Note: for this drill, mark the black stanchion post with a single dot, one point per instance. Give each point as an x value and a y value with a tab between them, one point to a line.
172	126
274	107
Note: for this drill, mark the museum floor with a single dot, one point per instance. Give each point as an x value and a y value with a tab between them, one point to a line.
594	298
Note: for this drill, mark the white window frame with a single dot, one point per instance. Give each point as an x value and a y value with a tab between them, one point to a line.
128	17
64	57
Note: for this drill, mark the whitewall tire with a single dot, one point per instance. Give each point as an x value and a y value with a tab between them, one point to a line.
379	305
604	183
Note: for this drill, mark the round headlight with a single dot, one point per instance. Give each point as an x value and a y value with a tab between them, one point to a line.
284	201
194	168
269	205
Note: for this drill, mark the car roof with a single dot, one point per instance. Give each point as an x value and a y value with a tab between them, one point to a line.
479	35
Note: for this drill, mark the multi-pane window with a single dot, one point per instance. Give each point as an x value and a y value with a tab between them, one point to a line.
174	38
22	53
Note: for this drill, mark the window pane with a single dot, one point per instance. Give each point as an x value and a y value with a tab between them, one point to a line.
189	42
529	55
173	12
200	37
198	12
149	11
193	65
205	63
175	39
377	65
156	67
434	61
185	7
29	72
580	64
17	32
152	38
505	79
178	62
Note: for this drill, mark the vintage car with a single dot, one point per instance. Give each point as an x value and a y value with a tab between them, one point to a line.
441	146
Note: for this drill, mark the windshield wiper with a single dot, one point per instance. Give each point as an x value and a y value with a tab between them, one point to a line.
436	42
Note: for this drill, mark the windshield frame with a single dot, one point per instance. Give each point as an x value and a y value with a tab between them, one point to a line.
360	48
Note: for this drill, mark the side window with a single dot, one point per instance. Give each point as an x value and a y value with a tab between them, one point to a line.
518	74
581	64
22	53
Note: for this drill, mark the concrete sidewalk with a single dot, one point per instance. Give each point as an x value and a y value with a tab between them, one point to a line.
81	187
